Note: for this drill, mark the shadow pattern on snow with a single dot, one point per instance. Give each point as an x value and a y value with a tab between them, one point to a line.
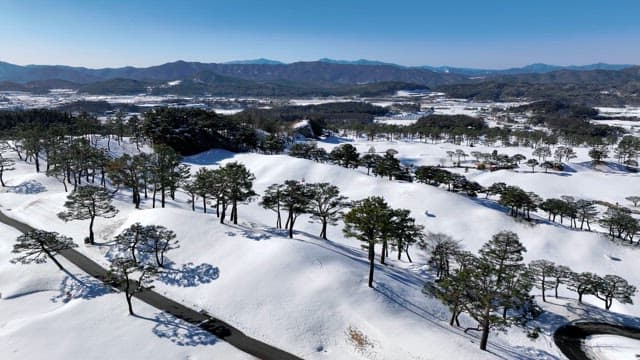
27	187
179	332
211	157
549	321
80	287
188	275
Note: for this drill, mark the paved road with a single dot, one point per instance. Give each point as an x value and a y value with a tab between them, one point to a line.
204	321
569	338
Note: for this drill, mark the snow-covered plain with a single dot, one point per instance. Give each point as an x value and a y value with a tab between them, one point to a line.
309	296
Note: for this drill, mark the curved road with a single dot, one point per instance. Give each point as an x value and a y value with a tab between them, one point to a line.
569	338
204	321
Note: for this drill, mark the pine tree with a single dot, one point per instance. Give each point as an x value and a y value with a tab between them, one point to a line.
122	272
405	231
497	281
6	164
584	283
295	199
37	245
345	155
87	203
443	249
272	200
561	275
326	204
613	287
542	272
368	221
237	186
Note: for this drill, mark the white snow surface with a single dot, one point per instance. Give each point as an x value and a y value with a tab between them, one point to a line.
47	313
611	347
309	296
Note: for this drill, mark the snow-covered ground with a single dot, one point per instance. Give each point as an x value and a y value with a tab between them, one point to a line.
611	347
49	314
309	296
625	111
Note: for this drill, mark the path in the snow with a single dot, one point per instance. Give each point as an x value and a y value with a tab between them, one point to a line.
570	338
204	321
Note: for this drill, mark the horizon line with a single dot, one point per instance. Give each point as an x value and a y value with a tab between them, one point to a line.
382	63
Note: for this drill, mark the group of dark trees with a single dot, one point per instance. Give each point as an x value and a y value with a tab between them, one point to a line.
346	155
140	257
520	203
191	131
549	276
373	221
494	287
228	185
566	123
322	201
320	116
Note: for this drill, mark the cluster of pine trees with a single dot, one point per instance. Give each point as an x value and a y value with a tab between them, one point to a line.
494	287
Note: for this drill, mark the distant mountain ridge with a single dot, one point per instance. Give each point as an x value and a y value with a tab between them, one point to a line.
264	77
301	72
339	71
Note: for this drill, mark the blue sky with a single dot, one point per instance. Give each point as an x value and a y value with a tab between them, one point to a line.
491	34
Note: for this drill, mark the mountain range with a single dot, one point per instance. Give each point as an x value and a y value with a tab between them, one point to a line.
271	78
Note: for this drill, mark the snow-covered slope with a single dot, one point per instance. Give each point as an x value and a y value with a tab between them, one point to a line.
47	313
309	296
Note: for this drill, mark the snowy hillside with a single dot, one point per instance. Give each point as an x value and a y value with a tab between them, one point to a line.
40	307
307	295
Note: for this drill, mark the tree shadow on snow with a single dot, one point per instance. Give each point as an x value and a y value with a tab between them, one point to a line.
211	157
188	275
80	287
550	321
335	140
27	187
179	332
256	235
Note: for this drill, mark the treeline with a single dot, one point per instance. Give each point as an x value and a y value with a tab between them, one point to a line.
9	120
568	123
321	116
191	131
617	219
188	131
591	94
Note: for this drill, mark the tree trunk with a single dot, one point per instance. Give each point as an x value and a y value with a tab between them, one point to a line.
155	190
485	330
291	222
55	261
234	212
129	301
91	240
406	251
323	233
372	257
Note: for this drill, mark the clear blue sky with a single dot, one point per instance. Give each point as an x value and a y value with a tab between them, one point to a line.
492	34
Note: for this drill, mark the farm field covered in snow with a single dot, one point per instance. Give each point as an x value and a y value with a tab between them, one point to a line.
309	296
